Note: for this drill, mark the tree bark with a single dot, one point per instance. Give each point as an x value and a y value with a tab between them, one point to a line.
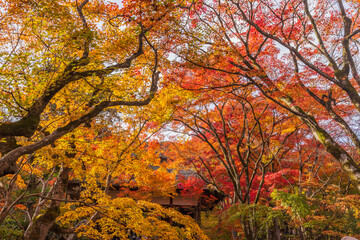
41	224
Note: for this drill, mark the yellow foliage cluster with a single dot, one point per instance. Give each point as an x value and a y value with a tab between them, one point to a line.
122	216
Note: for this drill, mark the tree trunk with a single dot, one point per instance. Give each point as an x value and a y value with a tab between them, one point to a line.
321	135
41	224
276	230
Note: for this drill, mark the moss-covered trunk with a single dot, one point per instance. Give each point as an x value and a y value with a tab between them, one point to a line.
340	154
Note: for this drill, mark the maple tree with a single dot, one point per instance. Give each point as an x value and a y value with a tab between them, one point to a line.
302	55
234	143
61	70
73	74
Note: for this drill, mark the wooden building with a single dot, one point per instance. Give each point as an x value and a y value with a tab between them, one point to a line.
187	205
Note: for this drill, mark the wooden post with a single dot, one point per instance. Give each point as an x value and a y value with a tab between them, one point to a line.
198	214
171	201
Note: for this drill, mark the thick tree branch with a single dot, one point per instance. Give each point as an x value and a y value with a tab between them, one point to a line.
8	161
29	123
